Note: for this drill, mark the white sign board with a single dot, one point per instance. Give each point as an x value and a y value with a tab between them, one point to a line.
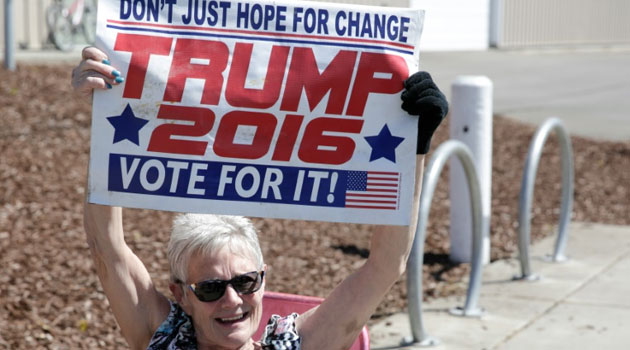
276	109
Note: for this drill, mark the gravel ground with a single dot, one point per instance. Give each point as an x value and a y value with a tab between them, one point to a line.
50	297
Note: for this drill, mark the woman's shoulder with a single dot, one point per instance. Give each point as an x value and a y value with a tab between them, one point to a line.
176	332
281	333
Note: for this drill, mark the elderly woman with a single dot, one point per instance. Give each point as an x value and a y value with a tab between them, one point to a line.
218	272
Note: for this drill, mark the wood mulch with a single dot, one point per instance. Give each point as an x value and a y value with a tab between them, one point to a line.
50	297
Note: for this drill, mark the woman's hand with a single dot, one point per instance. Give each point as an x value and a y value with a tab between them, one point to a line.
423	98
94	72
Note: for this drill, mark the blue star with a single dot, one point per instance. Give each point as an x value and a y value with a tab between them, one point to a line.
127	126
384	145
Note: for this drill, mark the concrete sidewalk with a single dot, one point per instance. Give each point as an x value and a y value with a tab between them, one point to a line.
587	88
583	303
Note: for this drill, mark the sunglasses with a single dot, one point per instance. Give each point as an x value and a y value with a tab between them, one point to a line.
212	290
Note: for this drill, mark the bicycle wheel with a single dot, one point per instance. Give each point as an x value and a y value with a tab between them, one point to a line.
59	27
88	22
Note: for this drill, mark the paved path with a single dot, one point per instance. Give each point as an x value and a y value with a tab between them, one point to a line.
583	303
589	90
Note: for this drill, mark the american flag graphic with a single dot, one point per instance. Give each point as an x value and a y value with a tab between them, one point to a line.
372	190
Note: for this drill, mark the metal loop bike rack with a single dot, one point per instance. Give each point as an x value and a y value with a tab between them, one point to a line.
527	193
414	264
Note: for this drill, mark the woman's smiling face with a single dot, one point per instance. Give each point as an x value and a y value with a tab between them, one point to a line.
231	321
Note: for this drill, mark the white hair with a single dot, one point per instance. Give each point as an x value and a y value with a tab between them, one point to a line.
206	234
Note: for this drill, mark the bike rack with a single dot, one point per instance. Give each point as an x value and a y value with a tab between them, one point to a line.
527	193
414	264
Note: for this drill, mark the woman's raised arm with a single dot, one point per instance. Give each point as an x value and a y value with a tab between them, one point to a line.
138	307
337	322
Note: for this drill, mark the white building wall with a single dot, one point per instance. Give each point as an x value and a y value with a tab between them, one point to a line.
536	23
454	24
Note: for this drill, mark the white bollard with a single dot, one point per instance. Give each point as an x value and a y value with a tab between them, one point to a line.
471	123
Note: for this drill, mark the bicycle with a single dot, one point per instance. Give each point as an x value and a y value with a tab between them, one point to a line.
65	22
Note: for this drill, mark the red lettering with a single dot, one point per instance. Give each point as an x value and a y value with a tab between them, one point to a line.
141	48
224	145
304	75
161	138
238	95
182	68
314	138
287	137
366	83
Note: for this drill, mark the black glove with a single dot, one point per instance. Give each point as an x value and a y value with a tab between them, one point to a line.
424	99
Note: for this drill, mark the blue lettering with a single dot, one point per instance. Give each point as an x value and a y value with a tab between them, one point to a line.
241	15
269	14
125	9
297	17
392	29
404	28
187	18
170	4
366	29
379	26
200	14
224	6
282	16
256	16
309	20
213	16
353	24
322	21
339	27
138	15
153	8
166	177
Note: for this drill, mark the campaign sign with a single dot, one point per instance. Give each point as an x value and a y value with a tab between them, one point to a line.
278	109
